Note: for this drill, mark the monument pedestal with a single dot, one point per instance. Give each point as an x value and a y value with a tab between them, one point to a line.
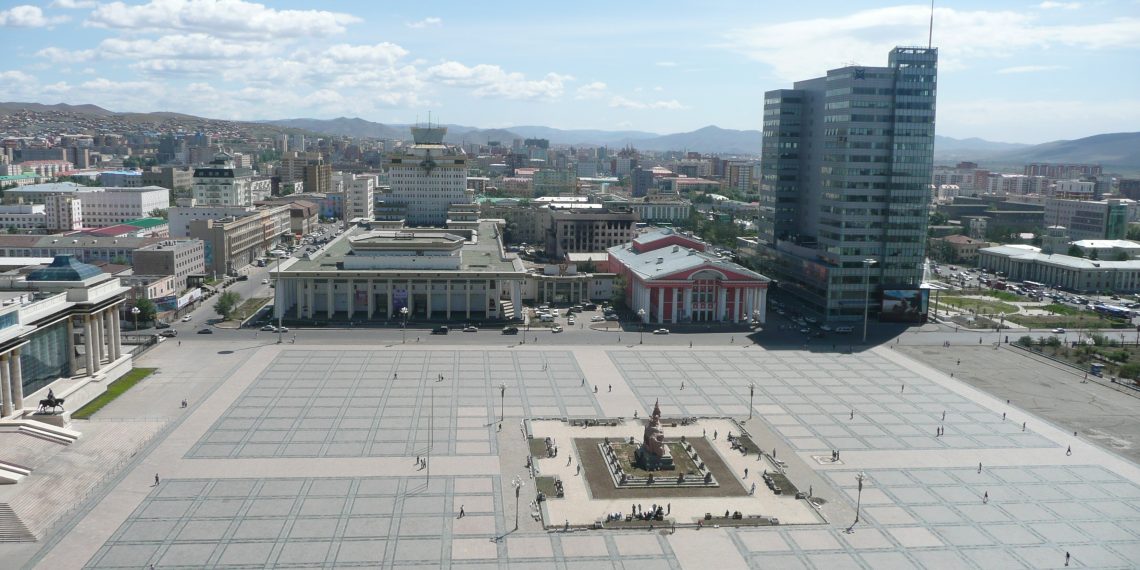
61	420
650	461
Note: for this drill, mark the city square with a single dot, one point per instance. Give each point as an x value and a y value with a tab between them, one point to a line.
401	455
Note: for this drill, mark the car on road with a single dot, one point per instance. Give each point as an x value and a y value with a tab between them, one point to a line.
611	317
440	330
470	328
269	328
243	278
282	329
570	321
805	330
265	282
597	319
661	331
187	319
844	330
205	331
168	333
161	325
556	329
510	330
1058	331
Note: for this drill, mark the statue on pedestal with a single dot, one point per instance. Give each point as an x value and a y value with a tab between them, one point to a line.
654	455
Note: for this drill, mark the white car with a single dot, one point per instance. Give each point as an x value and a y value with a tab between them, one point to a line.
470	329
269	328
1058	331
661	331
187	319
556	329
597	319
265	282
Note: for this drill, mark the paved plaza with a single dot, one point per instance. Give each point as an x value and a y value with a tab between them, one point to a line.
306	456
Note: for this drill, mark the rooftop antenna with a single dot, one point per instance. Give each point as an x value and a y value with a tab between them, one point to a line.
930	34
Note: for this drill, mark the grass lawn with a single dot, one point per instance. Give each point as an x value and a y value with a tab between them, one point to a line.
1065	321
1060	309
979	305
1003	295
249	307
116	389
682	461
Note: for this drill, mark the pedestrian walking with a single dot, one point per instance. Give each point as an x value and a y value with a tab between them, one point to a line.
902	388
979	467
1066	558
156	479
179	343
1069	451
745	472
714	434
461	512
1003	416
943	415
595	389
682	384
986	498
852	414
611	387
500	426
959	362
1022	426
579	469
583	381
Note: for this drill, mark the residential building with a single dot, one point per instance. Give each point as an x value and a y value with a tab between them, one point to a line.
1026	263
309	168
577	229
121	178
23	217
360	197
739	175
662	209
436	274
180	258
670	279
39	345
1107	249
221	183
169	177
1057	171
846	169
1092	219
427	177
555	182
235	242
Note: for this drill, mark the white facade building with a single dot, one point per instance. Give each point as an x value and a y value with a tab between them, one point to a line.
104	207
428	177
360	197
179	218
63	213
222	184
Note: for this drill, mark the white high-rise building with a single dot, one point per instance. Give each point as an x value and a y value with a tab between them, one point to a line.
64	213
220	183
428	177
360	197
104	207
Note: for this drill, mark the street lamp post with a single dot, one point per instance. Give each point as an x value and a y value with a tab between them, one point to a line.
641	319
277	302
518	484
998	328
135	313
751	394
867	263
502	402
404	328
858	501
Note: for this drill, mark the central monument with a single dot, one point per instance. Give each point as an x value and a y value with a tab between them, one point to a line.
654	455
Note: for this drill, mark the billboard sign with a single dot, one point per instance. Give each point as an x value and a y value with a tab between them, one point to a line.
904	305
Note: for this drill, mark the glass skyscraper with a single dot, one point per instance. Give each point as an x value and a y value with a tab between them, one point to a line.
845	174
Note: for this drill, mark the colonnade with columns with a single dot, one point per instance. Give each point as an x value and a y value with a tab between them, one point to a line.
700	302
369	298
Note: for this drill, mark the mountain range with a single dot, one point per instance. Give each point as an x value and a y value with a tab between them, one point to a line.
1115	151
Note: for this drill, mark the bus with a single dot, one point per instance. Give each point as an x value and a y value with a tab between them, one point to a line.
1114	311
1033	286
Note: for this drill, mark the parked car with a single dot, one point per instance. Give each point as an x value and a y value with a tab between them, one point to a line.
597	319
844	330
168	333
206	331
440	330
510	330
187	319
661	331
161	325
265	282
470	328
611	317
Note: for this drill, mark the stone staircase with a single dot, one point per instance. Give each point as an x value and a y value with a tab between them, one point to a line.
57	487
507	310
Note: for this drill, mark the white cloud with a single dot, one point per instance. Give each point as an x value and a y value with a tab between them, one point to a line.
60	55
73	4
424	23
626	103
1048	5
996	119
801	48
493	81
226	18
666	64
593	90
26	16
1029	68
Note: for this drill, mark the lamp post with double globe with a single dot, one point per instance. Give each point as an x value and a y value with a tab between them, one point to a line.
641	320
135	313
404	327
860	477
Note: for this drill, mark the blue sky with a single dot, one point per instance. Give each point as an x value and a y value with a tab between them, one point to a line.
1012	71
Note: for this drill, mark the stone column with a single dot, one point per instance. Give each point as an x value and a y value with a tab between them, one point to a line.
411	300
721	297
300	296
116	349
736	307
430	291
5	388
330	301
97	341
468	294
17	371
71	367
371	300
749	299
351	304
447	291
689	302
109	333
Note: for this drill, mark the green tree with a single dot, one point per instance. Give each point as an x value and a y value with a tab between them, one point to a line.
13	230
147	310
1130	370
1121	256
227	303
1025	340
1093	254
617	295
159	213
1075	251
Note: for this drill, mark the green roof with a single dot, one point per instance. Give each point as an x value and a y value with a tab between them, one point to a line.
18	177
145	223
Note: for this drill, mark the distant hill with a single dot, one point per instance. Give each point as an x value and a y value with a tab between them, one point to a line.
1116	150
581	136
950	150
707	139
345	127
7	107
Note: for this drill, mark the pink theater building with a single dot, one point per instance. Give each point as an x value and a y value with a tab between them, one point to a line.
674	280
